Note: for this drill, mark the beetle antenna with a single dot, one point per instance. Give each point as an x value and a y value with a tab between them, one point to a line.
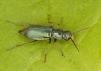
75	45
81	30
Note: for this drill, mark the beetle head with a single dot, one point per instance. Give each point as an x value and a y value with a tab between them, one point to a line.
67	35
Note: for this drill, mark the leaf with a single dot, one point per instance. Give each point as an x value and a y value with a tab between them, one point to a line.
76	15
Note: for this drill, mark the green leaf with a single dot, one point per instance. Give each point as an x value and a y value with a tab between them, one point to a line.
77	14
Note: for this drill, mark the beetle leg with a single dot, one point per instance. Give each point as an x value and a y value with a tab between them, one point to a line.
61	21
57	25
49	20
46	50
21	44
60	50
55	40
49	40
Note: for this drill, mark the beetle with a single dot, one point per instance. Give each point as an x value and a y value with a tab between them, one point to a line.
38	32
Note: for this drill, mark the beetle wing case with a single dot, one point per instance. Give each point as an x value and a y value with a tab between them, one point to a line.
38	32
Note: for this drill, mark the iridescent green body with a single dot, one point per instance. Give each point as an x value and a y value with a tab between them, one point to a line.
38	32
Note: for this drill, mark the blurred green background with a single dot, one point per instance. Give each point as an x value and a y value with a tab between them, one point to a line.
77	14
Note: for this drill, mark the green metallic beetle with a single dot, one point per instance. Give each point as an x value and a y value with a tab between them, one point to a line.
37	32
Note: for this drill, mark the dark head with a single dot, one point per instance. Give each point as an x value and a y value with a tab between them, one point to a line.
67	35
22	31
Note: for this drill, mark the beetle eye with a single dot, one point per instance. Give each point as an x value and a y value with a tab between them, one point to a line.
67	35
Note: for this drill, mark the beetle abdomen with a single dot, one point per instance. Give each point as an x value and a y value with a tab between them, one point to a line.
38	32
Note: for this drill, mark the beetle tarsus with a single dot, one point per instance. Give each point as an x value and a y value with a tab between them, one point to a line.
63	55
45	59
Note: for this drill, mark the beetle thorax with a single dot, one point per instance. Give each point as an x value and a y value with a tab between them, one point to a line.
57	33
